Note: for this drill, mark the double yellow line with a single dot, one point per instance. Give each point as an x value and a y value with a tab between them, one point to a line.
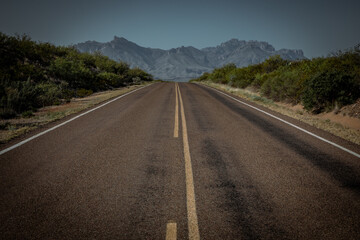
176	127
193	226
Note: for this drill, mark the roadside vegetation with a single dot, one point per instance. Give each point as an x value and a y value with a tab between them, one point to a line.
319	84
15	127
344	123
34	75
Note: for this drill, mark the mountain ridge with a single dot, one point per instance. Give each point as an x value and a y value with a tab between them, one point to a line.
184	63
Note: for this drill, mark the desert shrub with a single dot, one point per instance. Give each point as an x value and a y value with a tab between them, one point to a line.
137	75
34	74
242	77
293	87
17	97
259	80
27	114
330	88
221	75
51	93
111	79
83	92
282	86
272	63
320	83
73	71
104	63
273	88
203	77
22	96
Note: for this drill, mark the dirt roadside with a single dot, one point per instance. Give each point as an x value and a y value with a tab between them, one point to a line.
13	128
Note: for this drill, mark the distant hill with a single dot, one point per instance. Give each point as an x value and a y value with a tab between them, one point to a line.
184	63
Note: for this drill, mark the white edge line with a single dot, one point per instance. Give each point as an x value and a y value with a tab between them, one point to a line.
62	124
288	123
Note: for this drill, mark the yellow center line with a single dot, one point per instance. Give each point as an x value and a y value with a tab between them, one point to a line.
171	231
193	226
176	127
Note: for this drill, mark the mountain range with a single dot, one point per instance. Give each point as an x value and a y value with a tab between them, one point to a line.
184	63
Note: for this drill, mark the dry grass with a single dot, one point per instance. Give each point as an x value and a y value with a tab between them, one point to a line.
342	126
12	128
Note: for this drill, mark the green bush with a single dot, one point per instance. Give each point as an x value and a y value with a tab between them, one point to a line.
220	74
282	86
137	75
27	114
50	93
73	71
272	63
329	89
34	74
320	83
83	92
111	79
242	77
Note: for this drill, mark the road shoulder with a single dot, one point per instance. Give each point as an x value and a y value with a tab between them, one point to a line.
324	122
18	129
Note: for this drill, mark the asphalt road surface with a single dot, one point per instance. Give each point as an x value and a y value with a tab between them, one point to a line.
180	161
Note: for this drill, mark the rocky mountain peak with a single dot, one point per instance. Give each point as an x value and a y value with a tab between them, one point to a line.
119	39
184	63
231	42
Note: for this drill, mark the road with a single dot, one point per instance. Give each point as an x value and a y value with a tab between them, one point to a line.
162	163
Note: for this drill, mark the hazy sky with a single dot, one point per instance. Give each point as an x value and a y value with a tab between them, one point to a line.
316	27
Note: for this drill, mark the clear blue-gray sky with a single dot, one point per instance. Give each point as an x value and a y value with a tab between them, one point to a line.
316	27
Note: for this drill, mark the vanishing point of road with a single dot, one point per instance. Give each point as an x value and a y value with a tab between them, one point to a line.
180	161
